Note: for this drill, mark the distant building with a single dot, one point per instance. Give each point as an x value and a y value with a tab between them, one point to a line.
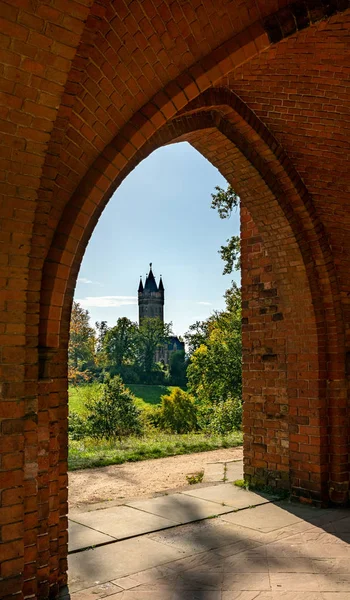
151	306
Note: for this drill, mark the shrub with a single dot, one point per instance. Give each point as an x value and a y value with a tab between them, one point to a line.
114	413
155	377
77	426
178	412
151	417
222	418
128	373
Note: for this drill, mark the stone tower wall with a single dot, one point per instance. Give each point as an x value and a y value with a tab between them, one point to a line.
151	305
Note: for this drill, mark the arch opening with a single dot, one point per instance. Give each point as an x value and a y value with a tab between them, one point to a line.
287	396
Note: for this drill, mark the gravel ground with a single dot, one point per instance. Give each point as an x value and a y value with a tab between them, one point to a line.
117	483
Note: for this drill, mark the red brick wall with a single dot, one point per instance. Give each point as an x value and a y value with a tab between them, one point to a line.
88	89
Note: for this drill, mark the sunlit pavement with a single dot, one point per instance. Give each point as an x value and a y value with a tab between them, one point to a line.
215	542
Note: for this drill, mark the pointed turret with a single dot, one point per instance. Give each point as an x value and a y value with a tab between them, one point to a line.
161	286
140	284
150	283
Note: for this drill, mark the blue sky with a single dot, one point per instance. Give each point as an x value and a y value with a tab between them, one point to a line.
161	214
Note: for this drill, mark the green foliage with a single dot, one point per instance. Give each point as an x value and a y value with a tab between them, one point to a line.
101	330
114	413
178	412
197	334
151	417
130	374
177	368
151	334
231	254
81	340
222	418
195	477
90	452
215	369
119	342
225	201
80	395
77	426
241	483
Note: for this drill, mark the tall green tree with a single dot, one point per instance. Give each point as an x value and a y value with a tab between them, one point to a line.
151	334
215	369
101	330
119	342
224	201
197	335
177	368
81	338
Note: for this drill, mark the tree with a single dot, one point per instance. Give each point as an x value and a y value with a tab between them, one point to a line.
81	339
119	342
178	367
151	334
225	201
215	369
197	335
114	413
101	329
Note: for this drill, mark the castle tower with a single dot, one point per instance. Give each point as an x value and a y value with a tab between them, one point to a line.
151	298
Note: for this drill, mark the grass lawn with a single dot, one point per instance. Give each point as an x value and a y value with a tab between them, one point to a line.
149	394
89	453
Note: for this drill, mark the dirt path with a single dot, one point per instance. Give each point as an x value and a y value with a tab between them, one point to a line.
120	482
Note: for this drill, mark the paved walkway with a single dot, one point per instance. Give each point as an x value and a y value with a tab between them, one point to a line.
209	543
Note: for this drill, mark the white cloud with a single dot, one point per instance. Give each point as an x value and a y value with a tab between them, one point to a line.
107	301
85	280
205	303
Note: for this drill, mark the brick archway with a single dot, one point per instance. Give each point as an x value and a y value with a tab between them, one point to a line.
286	396
90	89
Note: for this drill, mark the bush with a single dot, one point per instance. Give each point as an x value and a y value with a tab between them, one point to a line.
77	426
150	418
155	377
222	418
178	412
128	373
114	413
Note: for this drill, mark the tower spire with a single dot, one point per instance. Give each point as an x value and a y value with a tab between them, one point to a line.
151	297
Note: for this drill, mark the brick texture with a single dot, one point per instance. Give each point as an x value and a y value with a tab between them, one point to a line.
87	90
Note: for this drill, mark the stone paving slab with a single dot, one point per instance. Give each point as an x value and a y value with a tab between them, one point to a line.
104	590
198	537
273	516
123	521
214	472
230	495
180	507
247	564
275	551
234	470
100	565
84	537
